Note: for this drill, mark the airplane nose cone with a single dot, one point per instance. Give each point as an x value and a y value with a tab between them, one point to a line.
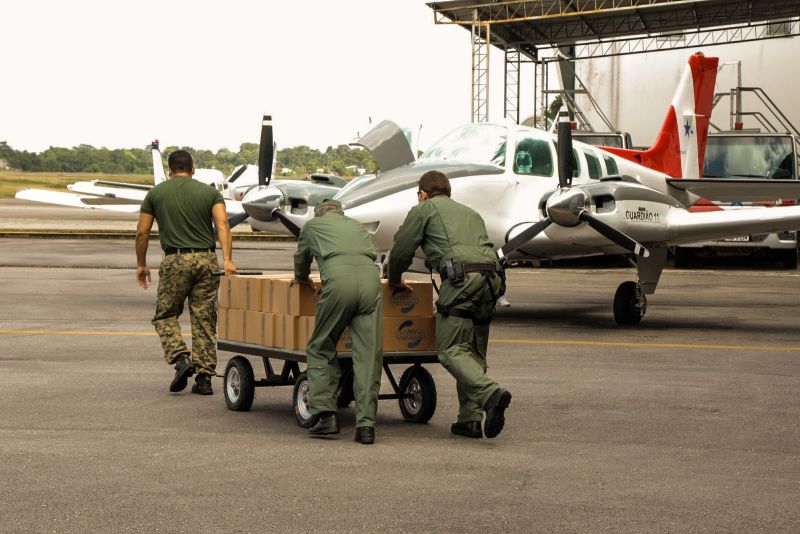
565	206
260	202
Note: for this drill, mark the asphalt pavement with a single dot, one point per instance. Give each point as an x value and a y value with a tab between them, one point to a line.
688	422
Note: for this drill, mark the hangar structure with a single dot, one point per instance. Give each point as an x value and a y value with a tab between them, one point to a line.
539	32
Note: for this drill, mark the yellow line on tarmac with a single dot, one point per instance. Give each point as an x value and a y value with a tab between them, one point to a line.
643	345
76	333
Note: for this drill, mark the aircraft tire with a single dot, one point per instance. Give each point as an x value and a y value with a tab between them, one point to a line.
420	406
239	385
681	258
789	259
625	310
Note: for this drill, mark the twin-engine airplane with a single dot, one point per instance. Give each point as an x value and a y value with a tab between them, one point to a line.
611	201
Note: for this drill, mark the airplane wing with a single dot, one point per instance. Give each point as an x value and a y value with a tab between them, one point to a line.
110	191
76	200
730	190
687	227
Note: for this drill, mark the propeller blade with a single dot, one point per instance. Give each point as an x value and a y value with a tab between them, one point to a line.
523	238
292	227
238	173
266	151
239	218
565	157
612	234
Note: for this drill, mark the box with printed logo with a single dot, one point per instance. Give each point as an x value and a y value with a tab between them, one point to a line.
409	333
416	303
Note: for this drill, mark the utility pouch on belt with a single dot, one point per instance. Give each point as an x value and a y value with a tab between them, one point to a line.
455	272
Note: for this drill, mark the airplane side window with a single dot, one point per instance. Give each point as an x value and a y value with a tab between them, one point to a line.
576	162
533	157
594	166
611	165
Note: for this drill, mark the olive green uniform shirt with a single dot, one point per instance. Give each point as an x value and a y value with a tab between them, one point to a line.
182	208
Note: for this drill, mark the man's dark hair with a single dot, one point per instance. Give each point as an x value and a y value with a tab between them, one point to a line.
435	183
180	161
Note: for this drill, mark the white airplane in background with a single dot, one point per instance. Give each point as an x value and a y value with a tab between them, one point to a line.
622	201
126	197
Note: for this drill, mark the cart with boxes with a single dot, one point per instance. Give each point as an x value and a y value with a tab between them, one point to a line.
268	317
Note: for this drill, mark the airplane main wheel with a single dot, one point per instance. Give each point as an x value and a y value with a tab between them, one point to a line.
629	304
681	258
789	259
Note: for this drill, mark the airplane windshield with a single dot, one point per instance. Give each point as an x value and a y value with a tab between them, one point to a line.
749	156
476	143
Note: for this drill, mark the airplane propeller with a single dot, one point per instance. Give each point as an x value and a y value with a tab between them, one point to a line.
287	222
570	207
266	152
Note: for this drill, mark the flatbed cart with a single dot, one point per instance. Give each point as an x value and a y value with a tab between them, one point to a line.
415	392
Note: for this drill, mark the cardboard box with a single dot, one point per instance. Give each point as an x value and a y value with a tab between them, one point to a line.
295	300
254	327
305	327
235	324
409	333
418	303
238	292
222	323
286	330
224	291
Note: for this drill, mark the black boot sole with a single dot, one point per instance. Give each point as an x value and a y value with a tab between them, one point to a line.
466	433
495	413
181	380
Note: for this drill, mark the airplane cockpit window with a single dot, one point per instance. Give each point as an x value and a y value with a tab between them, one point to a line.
533	157
595	172
476	143
750	156
611	165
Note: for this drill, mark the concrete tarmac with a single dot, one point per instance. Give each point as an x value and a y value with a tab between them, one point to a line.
689	422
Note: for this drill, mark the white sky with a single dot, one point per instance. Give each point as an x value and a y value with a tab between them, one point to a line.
201	73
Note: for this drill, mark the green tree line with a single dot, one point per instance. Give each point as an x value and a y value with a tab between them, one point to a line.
297	161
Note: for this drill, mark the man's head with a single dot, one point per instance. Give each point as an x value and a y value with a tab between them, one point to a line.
326	206
180	162
433	184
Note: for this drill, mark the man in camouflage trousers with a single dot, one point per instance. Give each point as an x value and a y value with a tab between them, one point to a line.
184	209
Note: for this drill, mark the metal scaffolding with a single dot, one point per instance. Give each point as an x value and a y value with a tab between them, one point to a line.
533	30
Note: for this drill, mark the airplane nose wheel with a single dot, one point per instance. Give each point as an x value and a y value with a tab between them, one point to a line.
630	304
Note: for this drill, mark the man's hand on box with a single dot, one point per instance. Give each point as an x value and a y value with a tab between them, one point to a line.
400	287
307	282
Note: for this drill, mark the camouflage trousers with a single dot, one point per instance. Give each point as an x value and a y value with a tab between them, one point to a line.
183	276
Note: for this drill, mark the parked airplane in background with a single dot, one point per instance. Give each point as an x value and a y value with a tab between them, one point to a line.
126	197
622	201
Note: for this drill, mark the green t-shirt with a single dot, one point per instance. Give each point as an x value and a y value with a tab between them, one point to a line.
182	208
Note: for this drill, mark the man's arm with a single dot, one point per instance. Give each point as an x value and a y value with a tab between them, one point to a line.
224	236
142	241
406	242
303	256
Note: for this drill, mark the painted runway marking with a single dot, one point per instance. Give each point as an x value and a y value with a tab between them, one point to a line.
643	345
517	341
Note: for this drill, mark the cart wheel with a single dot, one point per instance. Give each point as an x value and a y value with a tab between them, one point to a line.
300	402
239	387
419	396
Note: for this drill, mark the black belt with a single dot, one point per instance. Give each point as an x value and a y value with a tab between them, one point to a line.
480	267
168	251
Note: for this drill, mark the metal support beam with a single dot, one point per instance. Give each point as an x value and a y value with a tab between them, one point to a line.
511	89
481	43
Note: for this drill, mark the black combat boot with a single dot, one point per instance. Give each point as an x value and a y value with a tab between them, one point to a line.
495	412
328	423
365	435
470	429
183	370
202	385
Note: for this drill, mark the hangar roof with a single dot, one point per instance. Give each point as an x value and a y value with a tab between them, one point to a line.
529	25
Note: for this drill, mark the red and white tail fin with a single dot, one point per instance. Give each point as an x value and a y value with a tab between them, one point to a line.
681	144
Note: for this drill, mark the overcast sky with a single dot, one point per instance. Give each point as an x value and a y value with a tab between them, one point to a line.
201	73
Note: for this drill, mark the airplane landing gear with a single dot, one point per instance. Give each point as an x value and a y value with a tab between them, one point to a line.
630	303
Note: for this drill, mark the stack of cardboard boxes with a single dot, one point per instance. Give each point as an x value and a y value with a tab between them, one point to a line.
268	310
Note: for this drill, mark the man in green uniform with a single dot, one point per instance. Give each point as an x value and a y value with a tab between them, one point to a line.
351	297
184	209
453	238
